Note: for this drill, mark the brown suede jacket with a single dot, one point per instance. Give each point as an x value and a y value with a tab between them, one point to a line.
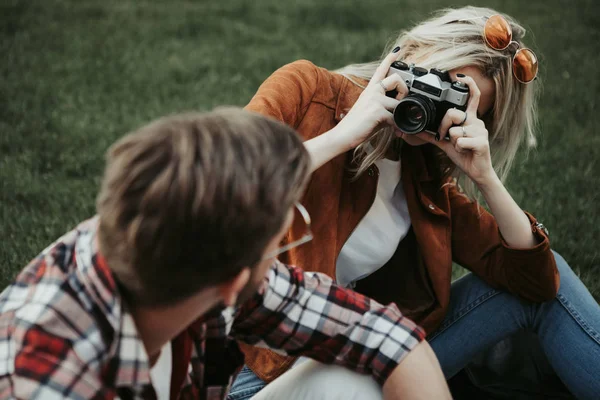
446	224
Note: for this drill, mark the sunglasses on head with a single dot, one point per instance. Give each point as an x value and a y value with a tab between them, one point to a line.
497	34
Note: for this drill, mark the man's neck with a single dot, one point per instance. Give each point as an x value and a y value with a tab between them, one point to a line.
159	325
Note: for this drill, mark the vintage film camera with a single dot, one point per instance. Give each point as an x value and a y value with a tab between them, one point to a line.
431	94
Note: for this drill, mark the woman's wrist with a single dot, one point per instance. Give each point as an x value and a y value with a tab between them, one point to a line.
513	224
325	147
338	139
489	183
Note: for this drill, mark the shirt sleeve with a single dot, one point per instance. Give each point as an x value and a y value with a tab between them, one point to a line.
477	245
302	313
46	366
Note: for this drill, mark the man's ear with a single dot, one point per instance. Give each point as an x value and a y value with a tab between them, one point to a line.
230	290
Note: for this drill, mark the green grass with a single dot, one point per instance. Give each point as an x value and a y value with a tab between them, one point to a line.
76	75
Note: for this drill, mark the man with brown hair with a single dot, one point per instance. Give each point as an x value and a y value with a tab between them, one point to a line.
190	215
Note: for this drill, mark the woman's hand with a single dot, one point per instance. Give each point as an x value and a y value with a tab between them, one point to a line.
373	107
468	147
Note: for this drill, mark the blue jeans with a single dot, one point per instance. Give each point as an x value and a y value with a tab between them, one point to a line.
568	329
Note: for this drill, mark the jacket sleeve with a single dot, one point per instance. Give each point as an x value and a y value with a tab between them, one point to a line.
301	313
287	93
477	245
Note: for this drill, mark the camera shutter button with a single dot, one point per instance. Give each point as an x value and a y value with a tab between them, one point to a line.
460	87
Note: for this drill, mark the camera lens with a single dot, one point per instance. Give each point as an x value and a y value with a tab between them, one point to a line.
413	114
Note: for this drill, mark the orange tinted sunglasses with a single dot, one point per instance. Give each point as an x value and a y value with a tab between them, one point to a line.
498	35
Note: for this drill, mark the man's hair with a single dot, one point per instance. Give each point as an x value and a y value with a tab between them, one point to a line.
189	200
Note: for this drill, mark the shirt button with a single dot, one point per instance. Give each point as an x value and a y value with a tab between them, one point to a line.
431	207
370	172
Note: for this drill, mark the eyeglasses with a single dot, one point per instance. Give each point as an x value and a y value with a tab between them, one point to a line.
307	237
498	35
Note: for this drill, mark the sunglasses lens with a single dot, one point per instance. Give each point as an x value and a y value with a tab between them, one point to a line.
497	32
525	65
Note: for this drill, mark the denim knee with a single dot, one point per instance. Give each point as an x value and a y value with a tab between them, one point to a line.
561	263
569	281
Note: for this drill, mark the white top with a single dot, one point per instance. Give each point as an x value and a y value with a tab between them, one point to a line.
160	373
375	239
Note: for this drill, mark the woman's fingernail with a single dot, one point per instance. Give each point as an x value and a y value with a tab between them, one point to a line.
461	75
437	137
396	49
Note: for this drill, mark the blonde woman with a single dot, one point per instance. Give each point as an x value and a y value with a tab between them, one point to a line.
389	215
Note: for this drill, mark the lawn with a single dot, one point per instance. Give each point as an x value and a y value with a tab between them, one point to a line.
76	75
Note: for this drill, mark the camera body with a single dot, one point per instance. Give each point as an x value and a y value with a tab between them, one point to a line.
431	94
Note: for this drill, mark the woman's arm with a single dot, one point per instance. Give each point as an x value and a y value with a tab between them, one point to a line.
512	221
287	93
469	150
372	109
325	147
512	251
478	245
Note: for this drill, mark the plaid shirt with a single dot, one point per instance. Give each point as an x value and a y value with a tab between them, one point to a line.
66	333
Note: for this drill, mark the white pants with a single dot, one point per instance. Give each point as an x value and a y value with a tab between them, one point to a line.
311	380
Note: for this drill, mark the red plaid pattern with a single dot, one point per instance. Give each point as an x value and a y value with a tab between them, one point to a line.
66	333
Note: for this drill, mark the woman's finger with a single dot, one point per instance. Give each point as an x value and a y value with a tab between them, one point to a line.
429	138
389	118
395	82
457	132
474	94
382	71
469	143
473	130
452	117
388	102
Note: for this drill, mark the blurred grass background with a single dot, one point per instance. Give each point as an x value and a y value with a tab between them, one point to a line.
76	75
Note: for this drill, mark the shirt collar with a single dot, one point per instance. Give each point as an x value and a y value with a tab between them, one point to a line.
93	272
134	364
133	368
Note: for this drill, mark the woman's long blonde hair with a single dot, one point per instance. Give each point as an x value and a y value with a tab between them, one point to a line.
453	38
